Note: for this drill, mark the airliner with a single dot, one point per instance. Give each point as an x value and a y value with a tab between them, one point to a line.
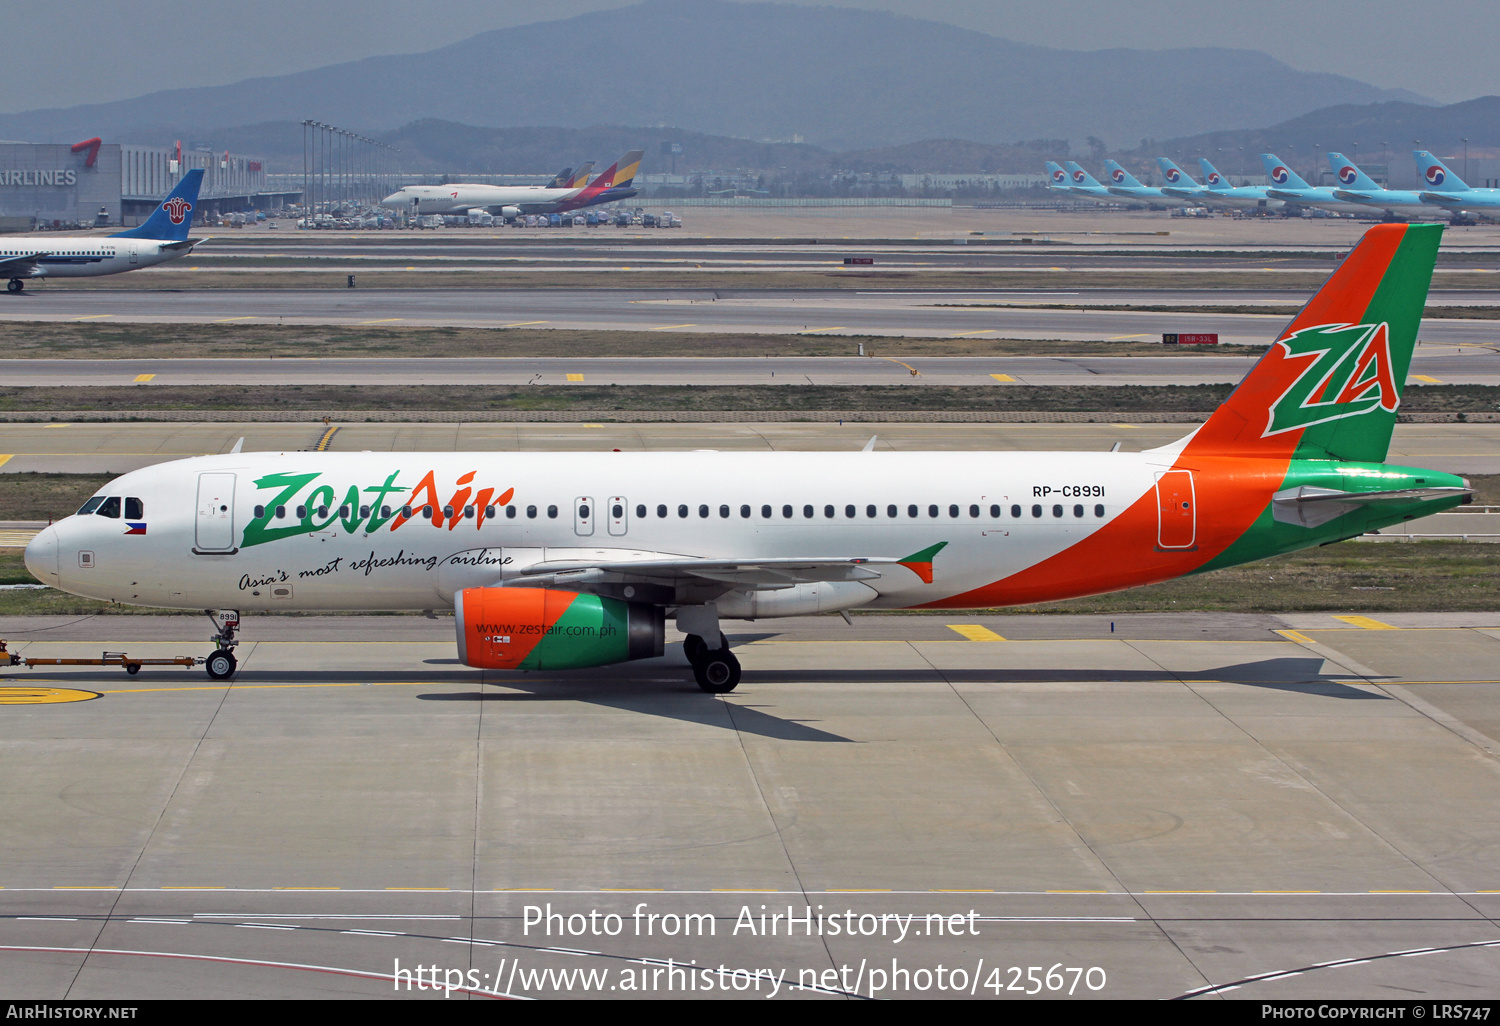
1445	189
1125	185
1290	187
511	201
556	561
1357	187
1245	197
161	237
1084	184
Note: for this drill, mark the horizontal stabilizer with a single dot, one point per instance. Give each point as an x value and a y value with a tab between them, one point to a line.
1313	507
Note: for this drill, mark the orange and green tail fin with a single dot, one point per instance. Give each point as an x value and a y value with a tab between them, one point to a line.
1331	384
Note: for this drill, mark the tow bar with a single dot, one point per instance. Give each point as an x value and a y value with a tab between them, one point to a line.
131	664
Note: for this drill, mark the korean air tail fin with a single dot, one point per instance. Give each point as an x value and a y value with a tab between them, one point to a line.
1280	175
1174	176
1331	384
1059	177
1078	176
1211	176
578	179
1349	176
1434	176
173	218
1119	176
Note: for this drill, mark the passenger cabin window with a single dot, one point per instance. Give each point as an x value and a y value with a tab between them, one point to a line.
640	511
1099	510
530	512
551	512
510	512
661	511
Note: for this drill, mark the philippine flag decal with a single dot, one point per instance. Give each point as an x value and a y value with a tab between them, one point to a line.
134	528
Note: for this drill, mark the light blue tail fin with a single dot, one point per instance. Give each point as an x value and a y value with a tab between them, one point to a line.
1058	178
1349	176
1434	176
1281	176
1211	176
1119	176
1079	177
173	218
1174	176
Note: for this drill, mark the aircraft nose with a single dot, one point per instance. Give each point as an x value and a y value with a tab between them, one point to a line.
41	556
395	199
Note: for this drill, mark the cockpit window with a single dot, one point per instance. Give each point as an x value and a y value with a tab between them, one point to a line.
90	506
110	507
135	509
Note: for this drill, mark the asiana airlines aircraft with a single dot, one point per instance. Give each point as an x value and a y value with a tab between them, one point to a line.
558	561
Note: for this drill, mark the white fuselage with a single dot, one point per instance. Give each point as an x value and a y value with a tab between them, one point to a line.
324	531
459	199
90	256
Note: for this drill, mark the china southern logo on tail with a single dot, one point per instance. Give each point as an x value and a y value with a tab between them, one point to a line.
177	208
1349	374
1348	175
1435	175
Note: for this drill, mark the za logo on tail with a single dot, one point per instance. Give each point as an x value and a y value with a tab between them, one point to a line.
1348	373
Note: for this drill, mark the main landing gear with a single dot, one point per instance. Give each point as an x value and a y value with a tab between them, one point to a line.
222	664
716	670
15	285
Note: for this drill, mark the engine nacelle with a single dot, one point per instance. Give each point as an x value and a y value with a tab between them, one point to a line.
510	213
543	629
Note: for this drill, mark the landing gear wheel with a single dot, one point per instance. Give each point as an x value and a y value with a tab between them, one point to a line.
717	672
221	665
15	285
693	647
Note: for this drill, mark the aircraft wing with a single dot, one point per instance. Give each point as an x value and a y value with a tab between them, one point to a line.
1289	197
1311	507
755	573
1357	197
20	266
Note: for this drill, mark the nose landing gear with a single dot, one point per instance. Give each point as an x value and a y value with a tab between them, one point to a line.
222	664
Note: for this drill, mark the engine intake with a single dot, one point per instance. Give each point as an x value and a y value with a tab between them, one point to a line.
544	629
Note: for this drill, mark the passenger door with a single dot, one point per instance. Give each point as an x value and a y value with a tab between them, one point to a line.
1176	510
215	522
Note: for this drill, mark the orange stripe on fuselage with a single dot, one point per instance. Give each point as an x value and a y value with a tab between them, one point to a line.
1235	469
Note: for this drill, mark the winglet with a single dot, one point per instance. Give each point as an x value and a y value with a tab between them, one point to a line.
238	445
920	563
870	445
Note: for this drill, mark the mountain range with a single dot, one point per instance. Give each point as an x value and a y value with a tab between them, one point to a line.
837	78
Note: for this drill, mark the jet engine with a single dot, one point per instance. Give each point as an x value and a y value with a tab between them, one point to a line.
510	213
545	629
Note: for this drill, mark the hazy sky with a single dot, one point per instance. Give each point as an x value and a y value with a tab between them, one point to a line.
63	52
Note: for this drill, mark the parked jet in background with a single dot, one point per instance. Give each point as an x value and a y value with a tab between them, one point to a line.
1084	184
1244	197
1125	185
1179	183
161	237
511	201
1357	187
1445	189
1057	178
1290	187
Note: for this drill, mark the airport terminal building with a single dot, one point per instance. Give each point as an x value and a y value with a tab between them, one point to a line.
47	185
